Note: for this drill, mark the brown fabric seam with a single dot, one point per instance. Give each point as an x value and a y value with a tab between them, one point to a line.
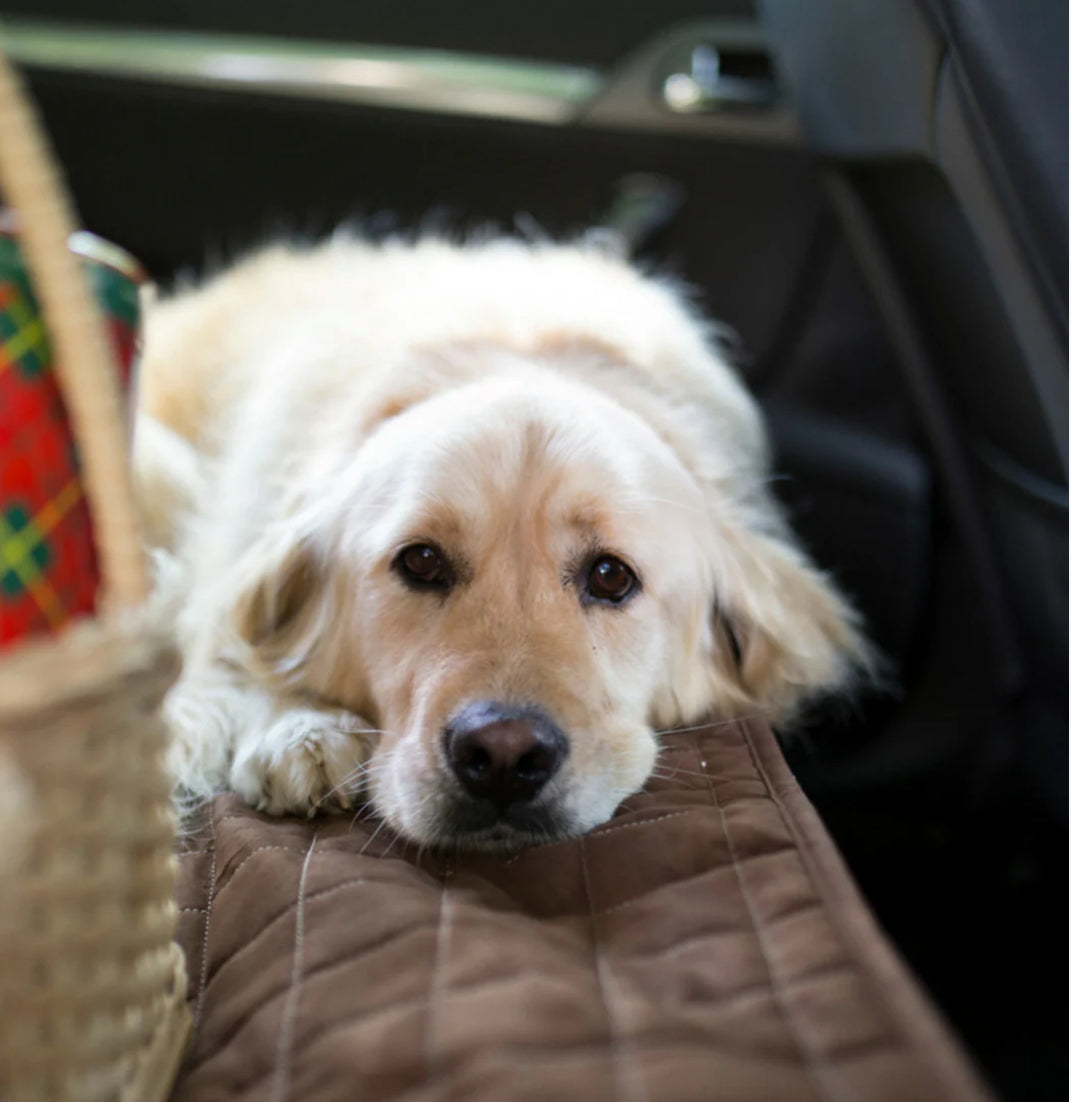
203	977
620	1079
355	958
436	984
592	1046
834	886
232	873
716	932
408	1005
275	918
288	1016
632	900
556	1052
808	1057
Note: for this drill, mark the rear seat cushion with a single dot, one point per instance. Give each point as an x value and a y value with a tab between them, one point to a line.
705	943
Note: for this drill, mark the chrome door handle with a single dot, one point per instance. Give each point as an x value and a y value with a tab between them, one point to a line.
713	79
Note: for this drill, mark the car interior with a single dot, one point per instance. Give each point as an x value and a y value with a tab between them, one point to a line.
871	196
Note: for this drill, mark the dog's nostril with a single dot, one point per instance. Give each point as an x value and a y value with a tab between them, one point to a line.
503	755
532	764
479	761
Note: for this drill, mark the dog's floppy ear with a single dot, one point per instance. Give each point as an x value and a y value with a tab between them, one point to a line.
781	632
279	600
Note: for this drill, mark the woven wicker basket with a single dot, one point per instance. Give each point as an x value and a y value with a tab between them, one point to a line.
92	986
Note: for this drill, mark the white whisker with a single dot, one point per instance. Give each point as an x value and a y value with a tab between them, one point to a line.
371	837
711	724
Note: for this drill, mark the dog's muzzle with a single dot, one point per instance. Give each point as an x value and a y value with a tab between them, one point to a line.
503	757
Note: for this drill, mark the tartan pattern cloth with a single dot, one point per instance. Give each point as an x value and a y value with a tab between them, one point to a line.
48	566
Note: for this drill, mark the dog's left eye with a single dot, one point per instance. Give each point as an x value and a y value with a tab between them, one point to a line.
422	566
610	579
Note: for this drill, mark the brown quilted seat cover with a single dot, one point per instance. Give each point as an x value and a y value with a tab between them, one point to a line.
705	944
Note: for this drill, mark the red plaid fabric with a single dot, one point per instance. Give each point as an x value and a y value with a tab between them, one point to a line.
48	565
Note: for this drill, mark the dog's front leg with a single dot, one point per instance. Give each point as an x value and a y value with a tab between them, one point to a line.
281	756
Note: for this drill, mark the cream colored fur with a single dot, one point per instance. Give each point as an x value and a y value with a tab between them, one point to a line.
309	413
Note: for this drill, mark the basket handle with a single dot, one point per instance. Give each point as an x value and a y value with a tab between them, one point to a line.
32	185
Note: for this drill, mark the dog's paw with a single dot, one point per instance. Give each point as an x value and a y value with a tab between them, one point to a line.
304	761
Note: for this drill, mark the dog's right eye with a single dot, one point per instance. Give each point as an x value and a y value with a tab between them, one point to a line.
610	581
422	566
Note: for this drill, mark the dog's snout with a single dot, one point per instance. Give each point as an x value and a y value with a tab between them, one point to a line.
502	754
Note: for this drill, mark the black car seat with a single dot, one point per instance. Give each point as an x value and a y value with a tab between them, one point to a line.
942	128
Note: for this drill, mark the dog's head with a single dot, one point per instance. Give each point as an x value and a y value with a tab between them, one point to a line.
520	582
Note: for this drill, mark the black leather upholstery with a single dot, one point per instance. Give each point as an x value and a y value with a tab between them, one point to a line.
1011	55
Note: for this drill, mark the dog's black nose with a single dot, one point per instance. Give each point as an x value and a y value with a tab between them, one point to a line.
503	754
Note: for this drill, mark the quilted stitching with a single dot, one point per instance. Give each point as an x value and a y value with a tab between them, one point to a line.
283	1052
701	945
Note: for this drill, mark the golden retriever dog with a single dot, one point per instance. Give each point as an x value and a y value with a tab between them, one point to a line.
459	530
